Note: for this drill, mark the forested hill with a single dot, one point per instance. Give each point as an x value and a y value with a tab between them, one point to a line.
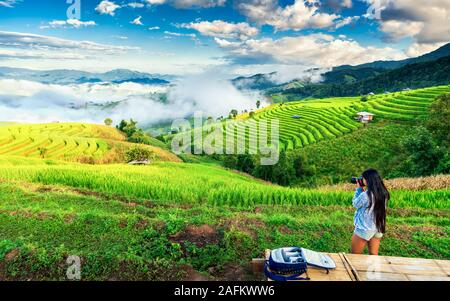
417	75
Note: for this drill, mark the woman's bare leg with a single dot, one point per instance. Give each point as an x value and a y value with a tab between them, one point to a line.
374	245
358	244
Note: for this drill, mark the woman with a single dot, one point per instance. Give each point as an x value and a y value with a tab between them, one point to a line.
370	215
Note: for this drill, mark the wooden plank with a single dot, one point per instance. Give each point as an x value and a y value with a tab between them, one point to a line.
353	273
370	276
445	265
427	278
396	265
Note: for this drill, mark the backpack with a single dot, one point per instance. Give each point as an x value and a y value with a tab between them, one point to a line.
285	264
290	263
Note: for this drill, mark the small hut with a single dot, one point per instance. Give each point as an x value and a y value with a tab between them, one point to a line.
365	117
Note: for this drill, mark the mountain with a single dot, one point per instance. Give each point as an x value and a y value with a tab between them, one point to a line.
415	75
66	77
434	55
255	82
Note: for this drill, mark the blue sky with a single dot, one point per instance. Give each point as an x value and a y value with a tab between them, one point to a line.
185	36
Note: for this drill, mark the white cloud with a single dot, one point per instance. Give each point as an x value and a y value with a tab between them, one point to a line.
346	21
9	3
315	50
34	41
107	8
187	4
137	21
136	5
222	29
298	16
417	49
68	23
46	55
193	36
154	28
397	30
25	46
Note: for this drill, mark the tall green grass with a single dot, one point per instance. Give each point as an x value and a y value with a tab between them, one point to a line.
196	184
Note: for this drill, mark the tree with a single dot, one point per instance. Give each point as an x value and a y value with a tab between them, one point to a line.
251	114
245	163
283	171
108	121
234	113
439	120
422	154
138	153
258	104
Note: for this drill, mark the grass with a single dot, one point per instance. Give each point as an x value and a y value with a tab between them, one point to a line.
195	184
126	239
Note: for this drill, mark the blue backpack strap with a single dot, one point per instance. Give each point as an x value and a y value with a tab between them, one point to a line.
277	277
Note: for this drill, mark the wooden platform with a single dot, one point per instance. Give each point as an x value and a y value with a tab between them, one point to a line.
351	267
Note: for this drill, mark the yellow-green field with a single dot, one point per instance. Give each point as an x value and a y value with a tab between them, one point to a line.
68	141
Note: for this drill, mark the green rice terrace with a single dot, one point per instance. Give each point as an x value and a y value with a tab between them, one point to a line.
306	122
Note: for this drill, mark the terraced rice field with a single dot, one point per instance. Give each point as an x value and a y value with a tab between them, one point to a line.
55	141
306	122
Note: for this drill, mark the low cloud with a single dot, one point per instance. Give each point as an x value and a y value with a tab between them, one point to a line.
26	101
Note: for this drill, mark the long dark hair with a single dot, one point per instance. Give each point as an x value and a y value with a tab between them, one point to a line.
378	197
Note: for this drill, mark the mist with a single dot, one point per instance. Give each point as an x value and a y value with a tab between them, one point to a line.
27	101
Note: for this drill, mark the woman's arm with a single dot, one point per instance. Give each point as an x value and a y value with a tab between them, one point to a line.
359	199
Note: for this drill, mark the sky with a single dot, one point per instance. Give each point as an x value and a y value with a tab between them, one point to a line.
234	36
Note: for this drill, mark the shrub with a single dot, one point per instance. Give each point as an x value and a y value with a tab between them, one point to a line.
138	154
108	121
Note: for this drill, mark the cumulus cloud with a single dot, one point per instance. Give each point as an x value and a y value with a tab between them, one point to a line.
315	50
426	22
222	29
68	23
300	15
107	8
417	49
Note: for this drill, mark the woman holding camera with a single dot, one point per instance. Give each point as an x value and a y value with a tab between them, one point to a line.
370	215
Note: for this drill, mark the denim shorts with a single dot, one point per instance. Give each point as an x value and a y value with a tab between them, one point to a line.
367	235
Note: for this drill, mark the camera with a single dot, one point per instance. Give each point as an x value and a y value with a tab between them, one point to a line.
359	180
